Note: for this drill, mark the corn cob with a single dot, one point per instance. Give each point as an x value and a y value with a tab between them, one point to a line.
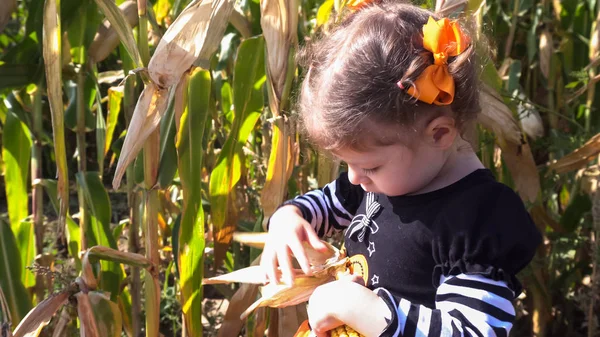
344	331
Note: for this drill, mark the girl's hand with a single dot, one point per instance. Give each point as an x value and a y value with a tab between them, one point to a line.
344	302
287	232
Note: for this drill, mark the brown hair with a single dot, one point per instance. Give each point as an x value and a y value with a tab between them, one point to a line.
351	83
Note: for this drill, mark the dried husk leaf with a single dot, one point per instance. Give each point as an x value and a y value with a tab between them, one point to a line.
316	258
279	22
193	37
579	158
7	7
325	267
248	275
283	295
546	49
497	117
109	254
251	239
87	320
520	163
41	315
87	274
148	111
107	38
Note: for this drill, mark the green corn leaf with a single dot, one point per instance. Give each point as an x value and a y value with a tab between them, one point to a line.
115	96
324	12
52	61
190	243
98	203
10	271
168	154
248	100
25	236
119	22
100	129
16	153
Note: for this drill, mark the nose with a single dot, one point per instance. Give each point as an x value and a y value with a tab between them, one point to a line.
356	177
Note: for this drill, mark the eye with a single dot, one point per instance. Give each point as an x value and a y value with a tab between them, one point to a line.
370	171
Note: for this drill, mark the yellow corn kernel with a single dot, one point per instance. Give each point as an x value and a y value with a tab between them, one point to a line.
344	331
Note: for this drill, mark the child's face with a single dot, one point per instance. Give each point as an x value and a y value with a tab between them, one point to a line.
393	169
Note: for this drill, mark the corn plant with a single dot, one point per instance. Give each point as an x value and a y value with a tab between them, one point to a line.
189	103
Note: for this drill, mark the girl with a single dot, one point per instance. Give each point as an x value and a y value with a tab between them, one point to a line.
439	242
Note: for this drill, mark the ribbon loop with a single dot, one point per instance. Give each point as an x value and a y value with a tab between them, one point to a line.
435	85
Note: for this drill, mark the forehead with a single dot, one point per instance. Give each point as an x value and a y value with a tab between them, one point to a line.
374	154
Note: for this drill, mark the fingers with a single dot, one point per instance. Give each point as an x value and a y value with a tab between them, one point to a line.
300	254
285	264
269	265
314	240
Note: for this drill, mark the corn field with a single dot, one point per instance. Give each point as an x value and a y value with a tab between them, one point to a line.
144	141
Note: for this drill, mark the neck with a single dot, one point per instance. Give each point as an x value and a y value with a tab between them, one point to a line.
461	161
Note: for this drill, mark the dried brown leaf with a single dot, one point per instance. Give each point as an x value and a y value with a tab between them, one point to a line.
520	163
242	299
279	22
497	117
40	316
546	50
579	158
148	111
193	37
87	320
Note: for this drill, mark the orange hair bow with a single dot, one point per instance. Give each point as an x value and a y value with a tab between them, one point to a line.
435	85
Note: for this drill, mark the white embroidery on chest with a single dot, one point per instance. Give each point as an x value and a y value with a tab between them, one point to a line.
361	222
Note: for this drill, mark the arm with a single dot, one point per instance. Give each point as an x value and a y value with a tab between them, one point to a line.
330	208
466	305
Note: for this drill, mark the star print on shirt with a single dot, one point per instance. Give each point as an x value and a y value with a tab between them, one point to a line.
371	248
375	279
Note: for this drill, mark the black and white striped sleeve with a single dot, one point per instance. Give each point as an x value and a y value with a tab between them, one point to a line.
330	208
466	305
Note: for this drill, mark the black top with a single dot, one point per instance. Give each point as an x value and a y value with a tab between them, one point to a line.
474	226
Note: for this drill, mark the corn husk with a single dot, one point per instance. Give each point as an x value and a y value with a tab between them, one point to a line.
579	158
7	7
279	22
325	267
193	37
106	38
147	114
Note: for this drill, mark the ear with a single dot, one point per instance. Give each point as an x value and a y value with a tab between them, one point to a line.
441	132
